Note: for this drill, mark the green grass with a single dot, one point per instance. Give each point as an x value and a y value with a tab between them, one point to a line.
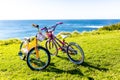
102	60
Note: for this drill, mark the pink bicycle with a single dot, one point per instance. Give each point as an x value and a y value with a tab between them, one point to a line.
74	52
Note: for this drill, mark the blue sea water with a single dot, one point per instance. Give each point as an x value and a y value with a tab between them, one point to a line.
23	28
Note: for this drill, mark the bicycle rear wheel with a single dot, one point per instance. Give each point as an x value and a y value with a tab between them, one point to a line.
75	53
40	63
52	47
20	53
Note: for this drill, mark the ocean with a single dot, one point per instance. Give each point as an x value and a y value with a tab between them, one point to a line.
23	28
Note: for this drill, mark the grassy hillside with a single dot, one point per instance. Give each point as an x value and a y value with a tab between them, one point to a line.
102	60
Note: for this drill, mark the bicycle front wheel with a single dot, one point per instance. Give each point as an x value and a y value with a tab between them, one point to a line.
38	63
52	47
75	53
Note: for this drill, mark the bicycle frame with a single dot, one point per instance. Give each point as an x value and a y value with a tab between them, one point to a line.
51	36
32	44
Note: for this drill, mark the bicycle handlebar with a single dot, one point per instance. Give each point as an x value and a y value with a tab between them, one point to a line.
54	26
45	28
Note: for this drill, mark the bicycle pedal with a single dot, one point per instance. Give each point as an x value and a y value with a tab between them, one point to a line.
64	51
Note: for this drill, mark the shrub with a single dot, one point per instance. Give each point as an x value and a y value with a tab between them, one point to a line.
9	41
111	27
75	33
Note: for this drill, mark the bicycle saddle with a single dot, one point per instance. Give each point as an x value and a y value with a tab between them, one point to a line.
64	36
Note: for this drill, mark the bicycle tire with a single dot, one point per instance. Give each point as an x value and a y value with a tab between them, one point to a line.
40	63
20	53
52	47
75	53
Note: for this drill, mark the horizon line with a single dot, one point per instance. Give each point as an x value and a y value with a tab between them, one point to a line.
67	19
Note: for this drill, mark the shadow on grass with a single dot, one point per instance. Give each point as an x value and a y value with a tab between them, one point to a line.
65	58
86	64
59	71
77	71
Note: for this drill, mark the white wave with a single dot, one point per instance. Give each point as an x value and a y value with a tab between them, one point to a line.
94	26
90	26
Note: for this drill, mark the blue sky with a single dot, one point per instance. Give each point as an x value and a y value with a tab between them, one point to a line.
59	9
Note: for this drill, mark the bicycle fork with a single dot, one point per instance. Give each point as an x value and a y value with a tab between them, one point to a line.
36	49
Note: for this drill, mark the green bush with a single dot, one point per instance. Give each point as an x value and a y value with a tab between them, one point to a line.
9	41
111	27
75	33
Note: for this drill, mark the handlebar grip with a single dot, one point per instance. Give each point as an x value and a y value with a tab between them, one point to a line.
35	25
59	23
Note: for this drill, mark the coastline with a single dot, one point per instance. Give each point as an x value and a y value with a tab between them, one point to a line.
23	28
